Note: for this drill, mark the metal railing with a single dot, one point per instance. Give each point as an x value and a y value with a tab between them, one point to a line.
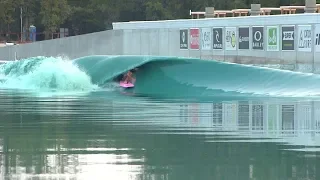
246	12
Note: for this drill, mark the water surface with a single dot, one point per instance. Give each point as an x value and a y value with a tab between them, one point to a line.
186	119
101	136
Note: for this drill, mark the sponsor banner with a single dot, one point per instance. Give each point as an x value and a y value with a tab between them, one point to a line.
184	38
288	38
317	38
217	38
304	38
194	38
206	38
257	38
273	38
231	38
243	37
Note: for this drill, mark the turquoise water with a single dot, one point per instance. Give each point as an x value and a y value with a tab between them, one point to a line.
67	119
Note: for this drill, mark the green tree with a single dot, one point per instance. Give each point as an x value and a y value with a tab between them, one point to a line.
28	10
7	8
108	11
83	16
54	13
155	11
92	16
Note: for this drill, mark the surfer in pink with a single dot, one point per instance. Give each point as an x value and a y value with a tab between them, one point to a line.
128	78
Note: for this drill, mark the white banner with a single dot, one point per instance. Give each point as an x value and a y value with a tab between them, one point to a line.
304	38
317	38
231	38
206	38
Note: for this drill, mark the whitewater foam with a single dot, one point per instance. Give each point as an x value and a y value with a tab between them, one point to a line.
45	73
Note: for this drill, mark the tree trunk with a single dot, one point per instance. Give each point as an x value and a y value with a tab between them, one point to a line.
26	32
46	35
8	32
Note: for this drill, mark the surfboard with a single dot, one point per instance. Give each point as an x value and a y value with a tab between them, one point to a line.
126	85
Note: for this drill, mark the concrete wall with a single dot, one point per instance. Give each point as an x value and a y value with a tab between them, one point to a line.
163	38
300	59
106	42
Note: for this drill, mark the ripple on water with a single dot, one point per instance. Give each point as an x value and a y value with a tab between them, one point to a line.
102	136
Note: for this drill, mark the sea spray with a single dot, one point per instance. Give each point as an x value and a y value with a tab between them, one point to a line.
45	73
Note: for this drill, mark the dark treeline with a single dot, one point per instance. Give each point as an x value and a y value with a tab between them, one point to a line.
87	16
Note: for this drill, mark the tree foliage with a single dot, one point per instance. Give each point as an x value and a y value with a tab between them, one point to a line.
54	13
7	7
87	16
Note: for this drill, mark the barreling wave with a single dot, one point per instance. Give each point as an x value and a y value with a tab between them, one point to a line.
165	76
158	76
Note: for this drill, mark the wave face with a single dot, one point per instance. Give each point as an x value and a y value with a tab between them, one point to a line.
187	77
44	73
157	76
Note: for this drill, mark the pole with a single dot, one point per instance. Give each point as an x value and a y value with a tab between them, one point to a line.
21	24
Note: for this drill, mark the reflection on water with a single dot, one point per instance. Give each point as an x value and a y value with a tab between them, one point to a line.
103	137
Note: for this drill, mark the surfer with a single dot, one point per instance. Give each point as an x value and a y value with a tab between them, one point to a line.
127	78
